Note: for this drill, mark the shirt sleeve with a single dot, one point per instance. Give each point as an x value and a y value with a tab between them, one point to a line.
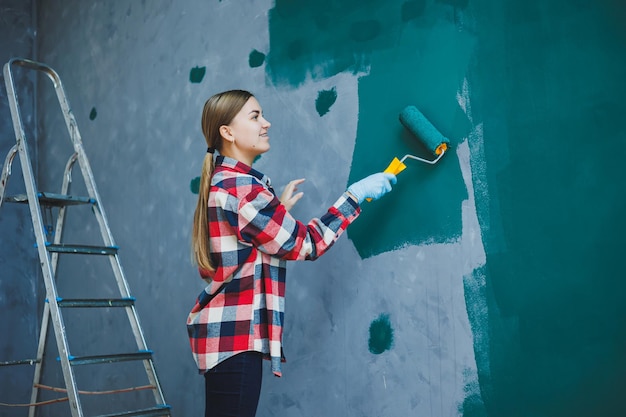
265	223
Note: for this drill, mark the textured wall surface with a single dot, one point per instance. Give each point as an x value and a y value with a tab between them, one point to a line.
485	285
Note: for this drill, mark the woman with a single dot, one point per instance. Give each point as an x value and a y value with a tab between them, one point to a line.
242	237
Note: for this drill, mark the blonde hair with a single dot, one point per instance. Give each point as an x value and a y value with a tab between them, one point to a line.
219	110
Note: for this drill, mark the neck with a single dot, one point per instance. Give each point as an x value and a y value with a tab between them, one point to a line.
234	153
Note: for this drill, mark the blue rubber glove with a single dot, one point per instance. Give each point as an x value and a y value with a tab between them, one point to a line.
374	186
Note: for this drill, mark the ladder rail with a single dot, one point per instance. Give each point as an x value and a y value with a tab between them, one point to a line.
54	258
6	171
38	227
41	347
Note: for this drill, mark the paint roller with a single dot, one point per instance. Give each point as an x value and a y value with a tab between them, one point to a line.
416	123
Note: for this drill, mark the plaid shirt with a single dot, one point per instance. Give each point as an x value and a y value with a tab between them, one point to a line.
251	237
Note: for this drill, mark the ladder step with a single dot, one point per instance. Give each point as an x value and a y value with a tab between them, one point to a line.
119	357
53	200
82	249
96	302
20	362
159	410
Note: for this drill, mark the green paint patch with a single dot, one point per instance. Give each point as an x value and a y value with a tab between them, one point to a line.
323	38
381	335
325	99
197	74
256	58
194	185
93	114
473	404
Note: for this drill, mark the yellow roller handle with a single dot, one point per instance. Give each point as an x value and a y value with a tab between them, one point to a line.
395	167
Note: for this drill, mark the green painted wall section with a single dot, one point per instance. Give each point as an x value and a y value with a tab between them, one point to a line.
548	84
323	38
414	55
425	69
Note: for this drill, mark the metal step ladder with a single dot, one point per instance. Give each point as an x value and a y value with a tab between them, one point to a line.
49	252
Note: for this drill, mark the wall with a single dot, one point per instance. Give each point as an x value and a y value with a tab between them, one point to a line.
485	285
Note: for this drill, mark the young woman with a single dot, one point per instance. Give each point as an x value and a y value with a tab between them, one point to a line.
242	237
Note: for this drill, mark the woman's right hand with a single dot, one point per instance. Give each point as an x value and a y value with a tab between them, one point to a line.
372	187
288	198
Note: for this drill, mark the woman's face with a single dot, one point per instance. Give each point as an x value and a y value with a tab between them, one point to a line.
249	131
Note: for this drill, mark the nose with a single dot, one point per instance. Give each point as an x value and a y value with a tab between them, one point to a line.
266	123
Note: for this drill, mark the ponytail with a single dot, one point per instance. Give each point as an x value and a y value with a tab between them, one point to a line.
201	252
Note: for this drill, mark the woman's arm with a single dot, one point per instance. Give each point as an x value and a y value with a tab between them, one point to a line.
266	223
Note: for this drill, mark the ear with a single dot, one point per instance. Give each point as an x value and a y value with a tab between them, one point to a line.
226	133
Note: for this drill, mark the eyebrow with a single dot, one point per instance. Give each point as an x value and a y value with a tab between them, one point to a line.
255	111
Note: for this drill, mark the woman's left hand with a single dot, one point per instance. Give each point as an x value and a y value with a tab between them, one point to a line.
290	197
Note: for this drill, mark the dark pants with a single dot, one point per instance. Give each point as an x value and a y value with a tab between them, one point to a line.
233	387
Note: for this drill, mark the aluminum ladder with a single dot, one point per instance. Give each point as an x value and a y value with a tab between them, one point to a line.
49	252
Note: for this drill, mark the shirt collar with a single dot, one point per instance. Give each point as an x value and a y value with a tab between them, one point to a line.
235	165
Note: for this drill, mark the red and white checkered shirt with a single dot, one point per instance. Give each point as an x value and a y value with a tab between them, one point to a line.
252	235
